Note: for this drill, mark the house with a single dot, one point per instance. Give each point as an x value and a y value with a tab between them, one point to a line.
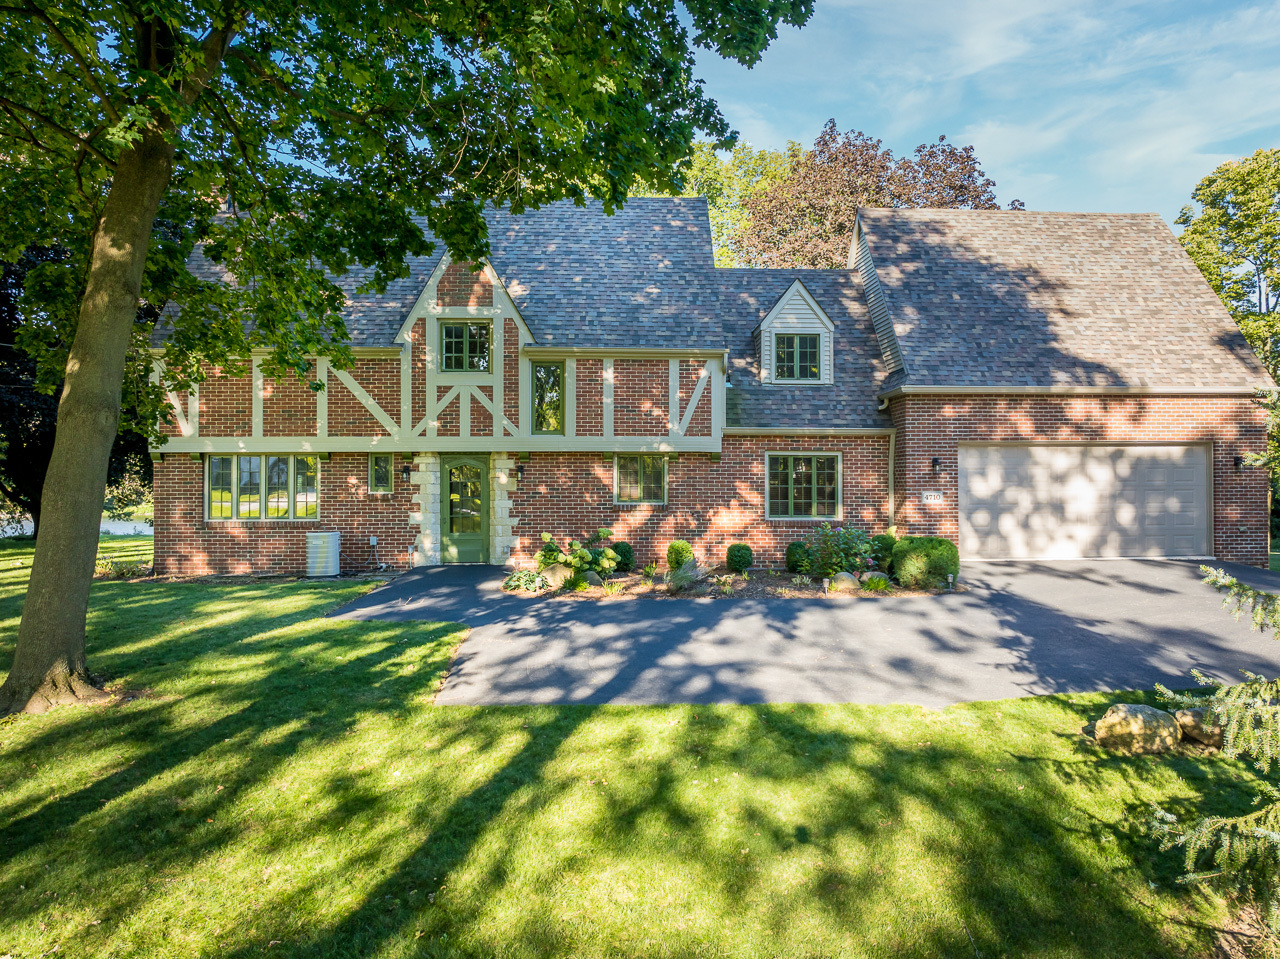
1033	385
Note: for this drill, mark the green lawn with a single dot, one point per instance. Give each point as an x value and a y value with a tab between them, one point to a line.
282	785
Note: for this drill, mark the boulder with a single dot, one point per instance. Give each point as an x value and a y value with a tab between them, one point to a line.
593	578
557	574
1193	726
1137	729
843	583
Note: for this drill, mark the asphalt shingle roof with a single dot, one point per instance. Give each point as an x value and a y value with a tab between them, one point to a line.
1008	299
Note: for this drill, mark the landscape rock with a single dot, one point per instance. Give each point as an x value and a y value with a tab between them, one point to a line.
1192	724
557	574
593	578
843	583
1137	729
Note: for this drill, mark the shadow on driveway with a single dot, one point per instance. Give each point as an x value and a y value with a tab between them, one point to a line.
1021	629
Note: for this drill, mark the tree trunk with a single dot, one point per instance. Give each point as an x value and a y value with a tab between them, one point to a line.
49	662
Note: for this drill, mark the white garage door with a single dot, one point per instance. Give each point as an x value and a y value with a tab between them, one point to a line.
1066	502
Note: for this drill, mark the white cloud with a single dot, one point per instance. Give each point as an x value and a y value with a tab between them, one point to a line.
1096	104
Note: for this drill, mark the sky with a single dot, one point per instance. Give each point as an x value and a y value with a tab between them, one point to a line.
1103	105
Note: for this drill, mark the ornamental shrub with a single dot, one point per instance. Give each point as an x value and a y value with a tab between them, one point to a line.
876	583
600	560
838	550
923	562
882	551
678	553
739	558
626	557
797	556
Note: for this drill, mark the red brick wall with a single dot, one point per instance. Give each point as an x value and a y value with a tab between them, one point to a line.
709	504
188	545
418	370
933	426
380	378
511	370
700	422
226	405
590	389
288	407
449	421
640	396
458	286
481	418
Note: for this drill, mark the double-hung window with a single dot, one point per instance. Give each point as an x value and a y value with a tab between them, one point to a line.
261	487
797	356
464	347
548	397
640	478
804	485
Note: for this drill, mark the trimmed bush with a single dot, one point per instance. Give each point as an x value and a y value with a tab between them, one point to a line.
678	553
882	550
739	558
923	562
798	556
626	557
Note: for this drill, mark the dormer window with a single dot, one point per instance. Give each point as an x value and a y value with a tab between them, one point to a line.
796	341
797	356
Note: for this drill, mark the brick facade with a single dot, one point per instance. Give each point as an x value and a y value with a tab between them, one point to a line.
710	504
934	426
186	544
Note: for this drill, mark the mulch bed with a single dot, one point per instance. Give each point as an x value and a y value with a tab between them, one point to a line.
758	584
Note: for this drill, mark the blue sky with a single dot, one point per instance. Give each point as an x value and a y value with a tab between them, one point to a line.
1110	105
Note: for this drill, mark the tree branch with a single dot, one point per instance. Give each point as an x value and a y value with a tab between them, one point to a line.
79	141
81	62
245	57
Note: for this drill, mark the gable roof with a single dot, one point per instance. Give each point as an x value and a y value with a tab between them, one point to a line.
1009	299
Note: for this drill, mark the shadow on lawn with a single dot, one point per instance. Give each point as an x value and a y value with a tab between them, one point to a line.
1004	867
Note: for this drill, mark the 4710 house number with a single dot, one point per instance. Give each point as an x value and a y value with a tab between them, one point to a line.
930	496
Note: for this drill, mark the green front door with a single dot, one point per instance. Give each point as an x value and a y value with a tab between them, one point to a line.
464	509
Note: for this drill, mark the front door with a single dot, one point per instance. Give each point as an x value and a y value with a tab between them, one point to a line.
464	509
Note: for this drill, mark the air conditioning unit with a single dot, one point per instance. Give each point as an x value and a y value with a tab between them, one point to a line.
323	551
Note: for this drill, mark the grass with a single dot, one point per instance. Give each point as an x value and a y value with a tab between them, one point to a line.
274	783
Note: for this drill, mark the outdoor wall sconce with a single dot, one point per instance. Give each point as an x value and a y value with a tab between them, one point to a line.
519	471
1239	462
936	463
405	471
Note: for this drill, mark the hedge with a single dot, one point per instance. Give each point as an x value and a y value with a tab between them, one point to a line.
923	562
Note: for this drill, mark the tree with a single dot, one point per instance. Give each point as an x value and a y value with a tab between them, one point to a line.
727	183
1240	853
806	218
28	388
1235	240
296	141
28	416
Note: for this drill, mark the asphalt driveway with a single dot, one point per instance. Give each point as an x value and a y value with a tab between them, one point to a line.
1021	629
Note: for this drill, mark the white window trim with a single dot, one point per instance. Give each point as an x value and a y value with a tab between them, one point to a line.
774	324
262	489
640	502
839	514
391	475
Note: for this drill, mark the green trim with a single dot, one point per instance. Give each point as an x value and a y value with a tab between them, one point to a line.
533	397
466	326
468	547
813	458
640	476
391	473
715	457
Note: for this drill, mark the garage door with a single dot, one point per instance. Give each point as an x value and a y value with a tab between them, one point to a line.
1065	502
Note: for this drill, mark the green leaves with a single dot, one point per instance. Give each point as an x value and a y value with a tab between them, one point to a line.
1235	240
310	136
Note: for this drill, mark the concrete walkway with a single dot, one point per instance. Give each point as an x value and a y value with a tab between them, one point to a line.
1021	629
